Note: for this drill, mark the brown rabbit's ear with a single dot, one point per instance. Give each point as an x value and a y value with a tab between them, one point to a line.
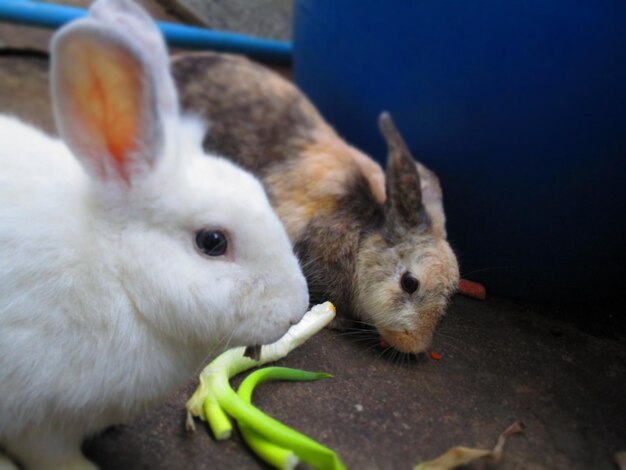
432	199
403	204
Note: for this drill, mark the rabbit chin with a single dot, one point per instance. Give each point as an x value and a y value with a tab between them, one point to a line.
264	320
408	341
408	329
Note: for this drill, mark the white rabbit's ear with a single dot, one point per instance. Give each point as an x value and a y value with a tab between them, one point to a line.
104	89
128	18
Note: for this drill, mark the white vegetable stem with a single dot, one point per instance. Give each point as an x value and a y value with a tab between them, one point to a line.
232	362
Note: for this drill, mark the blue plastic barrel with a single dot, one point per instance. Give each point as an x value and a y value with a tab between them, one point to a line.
519	106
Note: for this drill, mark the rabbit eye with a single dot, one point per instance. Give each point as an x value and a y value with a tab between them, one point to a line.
409	283
212	242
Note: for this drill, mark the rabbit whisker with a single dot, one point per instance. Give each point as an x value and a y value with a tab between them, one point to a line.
481	270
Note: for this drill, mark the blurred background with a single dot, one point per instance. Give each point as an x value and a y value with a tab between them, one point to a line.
519	107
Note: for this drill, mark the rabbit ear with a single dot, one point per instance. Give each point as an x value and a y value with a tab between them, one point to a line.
129	19
432	198
403	204
104	93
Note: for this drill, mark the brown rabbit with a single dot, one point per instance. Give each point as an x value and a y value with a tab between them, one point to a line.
373	243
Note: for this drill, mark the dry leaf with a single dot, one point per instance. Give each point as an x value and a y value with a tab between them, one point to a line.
463	455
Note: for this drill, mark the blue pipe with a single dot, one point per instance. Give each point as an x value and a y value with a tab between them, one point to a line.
186	37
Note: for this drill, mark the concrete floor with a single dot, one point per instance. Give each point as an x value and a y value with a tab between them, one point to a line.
501	362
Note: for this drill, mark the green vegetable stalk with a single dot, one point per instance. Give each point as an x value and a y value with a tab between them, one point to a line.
286	442
276	443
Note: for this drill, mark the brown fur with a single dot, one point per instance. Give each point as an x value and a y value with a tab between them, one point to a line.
354	236
262	121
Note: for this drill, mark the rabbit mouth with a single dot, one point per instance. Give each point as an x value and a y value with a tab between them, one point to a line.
407	341
253	352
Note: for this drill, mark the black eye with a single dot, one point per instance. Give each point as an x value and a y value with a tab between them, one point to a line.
409	283
212	242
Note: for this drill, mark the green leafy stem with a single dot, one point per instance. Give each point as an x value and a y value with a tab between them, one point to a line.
275	443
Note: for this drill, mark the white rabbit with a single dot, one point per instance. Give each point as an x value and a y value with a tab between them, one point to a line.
127	256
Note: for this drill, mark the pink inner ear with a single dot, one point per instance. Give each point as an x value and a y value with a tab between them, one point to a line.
106	87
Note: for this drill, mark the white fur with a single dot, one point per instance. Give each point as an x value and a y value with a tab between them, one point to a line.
106	305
